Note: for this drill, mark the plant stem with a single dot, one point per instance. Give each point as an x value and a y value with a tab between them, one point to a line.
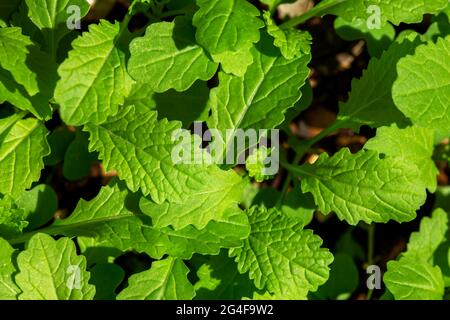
173	13
287	182
318	10
298	157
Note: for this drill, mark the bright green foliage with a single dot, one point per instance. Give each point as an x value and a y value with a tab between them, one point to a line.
150	168
419	149
39	205
53	18
282	257
409	279
246	102
198	209
363	187
425	102
113	220
255	164
432	233
414	276
234	62
226	25
168	57
93	77
27	76
13	57
292	43
219	279
349	10
373	92
407	11
51	270
165	280
8	288
109	190
22	150
12	218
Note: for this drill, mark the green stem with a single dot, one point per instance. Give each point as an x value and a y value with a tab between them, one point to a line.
318	11
326	132
174	13
287	182
304	148
52	231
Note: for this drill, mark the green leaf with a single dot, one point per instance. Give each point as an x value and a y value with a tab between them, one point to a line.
299	206
52	270
421	91
39	204
140	96
53	16
418	149
165	280
346	9
27	77
219	279
256	164
234	62
228	232
93	78
106	277
167	57
18	97
200	208
343	281
370	101
187	106
59	140
22	149
253	101
14	51
292	42
12	218
281	256
112	220
8	289
432	233
440	26
226	25
378	40
78	160
414	279
150	169
407	11
363	187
